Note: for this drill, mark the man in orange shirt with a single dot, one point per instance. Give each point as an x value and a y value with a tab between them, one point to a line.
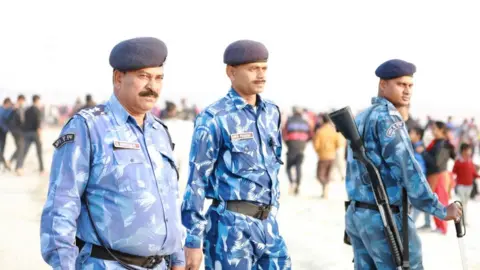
326	143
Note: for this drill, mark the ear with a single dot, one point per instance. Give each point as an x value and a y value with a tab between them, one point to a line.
382	85
117	78
230	72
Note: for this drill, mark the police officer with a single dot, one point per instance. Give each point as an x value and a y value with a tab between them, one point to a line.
388	145
112	201
235	157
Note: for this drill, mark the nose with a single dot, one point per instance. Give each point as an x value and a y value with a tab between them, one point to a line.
154	85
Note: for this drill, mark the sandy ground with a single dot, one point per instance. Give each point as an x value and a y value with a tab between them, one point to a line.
312	227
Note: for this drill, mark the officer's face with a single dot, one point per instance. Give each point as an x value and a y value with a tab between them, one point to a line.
398	90
138	90
248	79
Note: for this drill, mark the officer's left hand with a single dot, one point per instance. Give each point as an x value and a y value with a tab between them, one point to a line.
178	267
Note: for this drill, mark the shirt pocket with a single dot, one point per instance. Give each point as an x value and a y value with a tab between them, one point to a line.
244	156
132	170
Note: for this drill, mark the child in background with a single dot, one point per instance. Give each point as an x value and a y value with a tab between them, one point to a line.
466	173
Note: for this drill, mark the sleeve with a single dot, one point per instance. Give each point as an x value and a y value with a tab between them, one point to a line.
203	156
455	167
316	141
398	154
276	201
178	258
68	179
474	171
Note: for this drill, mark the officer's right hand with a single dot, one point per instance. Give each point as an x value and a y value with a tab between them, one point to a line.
193	258
454	211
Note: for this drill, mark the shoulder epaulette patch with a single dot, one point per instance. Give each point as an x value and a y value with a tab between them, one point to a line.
393	127
63	140
96	110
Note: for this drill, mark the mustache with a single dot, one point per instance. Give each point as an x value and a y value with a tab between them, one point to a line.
148	93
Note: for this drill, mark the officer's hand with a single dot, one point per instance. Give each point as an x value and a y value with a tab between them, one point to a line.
193	258
178	267
454	211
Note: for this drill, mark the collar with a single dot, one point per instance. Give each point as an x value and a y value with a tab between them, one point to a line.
121	115
419	143
240	103
381	100
391	108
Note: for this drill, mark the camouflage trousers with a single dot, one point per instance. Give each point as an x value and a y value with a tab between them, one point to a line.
86	262
236	241
370	246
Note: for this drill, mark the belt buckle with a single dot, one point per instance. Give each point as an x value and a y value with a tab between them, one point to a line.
264	211
152	261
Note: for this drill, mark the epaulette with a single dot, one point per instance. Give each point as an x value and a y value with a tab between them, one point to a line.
96	110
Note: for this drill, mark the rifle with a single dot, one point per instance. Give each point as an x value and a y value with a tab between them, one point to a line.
345	124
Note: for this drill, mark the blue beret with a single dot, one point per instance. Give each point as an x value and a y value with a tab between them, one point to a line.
395	68
138	53
245	51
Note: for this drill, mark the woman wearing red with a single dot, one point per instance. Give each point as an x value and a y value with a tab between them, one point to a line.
437	156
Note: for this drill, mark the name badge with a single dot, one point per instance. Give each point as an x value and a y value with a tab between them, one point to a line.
126	145
241	136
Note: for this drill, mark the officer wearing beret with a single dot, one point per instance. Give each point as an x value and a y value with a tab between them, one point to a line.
113	198
388	145
235	157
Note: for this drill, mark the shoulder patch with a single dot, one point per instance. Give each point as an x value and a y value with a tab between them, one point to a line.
391	130
70	137
95	110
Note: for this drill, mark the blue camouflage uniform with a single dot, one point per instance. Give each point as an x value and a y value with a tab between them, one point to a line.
388	145
130	181
235	155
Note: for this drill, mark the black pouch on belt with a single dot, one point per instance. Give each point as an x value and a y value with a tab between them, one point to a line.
346	239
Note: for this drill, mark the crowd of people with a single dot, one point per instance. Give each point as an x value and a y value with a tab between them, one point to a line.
24	123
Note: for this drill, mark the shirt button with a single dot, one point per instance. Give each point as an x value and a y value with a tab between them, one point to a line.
132	160
166	220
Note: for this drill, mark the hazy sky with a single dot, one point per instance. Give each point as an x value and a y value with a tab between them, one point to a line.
329	49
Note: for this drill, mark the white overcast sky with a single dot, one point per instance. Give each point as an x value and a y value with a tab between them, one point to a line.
322	53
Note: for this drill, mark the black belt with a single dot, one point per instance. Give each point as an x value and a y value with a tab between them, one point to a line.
101	253
395	208
246	208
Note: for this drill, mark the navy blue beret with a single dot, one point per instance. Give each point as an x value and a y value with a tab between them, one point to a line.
395	68
245	51
138	53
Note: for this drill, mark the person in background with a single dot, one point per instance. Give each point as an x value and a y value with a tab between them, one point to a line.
416	136
325	144
5	112
296	133
32	130
438	154
15	125
465	173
